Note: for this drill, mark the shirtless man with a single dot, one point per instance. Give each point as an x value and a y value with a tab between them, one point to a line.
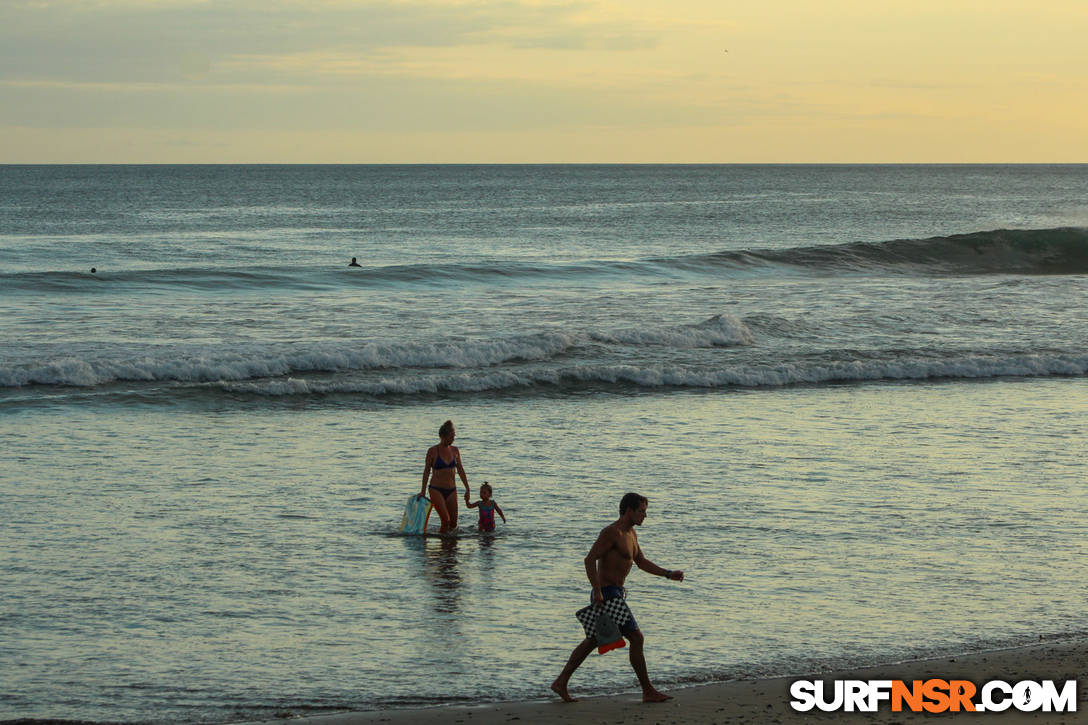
607	566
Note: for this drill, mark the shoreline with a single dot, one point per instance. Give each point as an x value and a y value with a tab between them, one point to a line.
765	700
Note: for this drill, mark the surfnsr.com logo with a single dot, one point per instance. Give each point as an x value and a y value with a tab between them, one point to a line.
933	695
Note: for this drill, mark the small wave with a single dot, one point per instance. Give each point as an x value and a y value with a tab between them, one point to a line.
1004	251
719	330
655	377
1037	252
219	363
300	277
216	363
58	721
198	279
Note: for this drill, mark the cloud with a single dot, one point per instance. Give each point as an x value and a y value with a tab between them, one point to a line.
133	41
572	71
369	105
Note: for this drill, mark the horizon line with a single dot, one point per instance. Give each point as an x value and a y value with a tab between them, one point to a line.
544	163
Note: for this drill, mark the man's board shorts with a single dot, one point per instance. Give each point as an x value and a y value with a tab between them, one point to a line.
612	592
608	622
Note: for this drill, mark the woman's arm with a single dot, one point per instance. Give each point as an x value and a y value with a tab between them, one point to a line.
426	471
460	469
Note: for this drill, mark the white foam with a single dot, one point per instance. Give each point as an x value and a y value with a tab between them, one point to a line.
971	367
226	364
237	363
719	330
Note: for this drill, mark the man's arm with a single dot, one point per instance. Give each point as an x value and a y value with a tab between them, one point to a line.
651	568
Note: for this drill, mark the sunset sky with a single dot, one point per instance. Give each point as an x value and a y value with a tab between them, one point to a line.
508	81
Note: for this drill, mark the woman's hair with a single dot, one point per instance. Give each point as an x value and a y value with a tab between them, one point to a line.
487	486
445	429
631	501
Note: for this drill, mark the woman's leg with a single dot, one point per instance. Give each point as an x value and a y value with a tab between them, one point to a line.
451	509
439	503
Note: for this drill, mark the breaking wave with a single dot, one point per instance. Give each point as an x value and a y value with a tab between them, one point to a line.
195	364
576	377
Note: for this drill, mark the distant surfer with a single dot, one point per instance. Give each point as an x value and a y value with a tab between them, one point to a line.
354	263
607	565
94	270
438	481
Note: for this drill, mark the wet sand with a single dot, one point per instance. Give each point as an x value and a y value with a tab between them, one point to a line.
767	701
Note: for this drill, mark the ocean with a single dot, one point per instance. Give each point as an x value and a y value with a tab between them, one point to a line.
855	397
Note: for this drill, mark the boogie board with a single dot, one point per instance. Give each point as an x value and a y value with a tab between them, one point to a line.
416	514
602	622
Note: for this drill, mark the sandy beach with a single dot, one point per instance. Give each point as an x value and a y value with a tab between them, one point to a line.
767	700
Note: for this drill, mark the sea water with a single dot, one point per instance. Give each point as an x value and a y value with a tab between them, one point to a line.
854	396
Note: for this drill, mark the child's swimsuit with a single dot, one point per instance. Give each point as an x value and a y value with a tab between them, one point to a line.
487	516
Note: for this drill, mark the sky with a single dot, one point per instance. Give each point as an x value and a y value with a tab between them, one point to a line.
543	81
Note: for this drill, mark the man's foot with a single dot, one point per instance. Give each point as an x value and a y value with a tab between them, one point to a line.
561	690
655	696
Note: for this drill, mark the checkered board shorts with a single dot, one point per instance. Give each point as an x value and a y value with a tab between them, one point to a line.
617	610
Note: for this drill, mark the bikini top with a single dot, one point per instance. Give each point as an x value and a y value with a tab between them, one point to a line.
439	464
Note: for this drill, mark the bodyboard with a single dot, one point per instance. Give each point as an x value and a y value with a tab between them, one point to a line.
416	514
603	622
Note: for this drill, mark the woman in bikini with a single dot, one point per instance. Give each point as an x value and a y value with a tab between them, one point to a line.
442	461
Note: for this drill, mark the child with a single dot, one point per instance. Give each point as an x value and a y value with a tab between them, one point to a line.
487	508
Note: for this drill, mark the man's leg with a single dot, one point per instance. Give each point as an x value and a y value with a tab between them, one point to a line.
577	657
638	663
